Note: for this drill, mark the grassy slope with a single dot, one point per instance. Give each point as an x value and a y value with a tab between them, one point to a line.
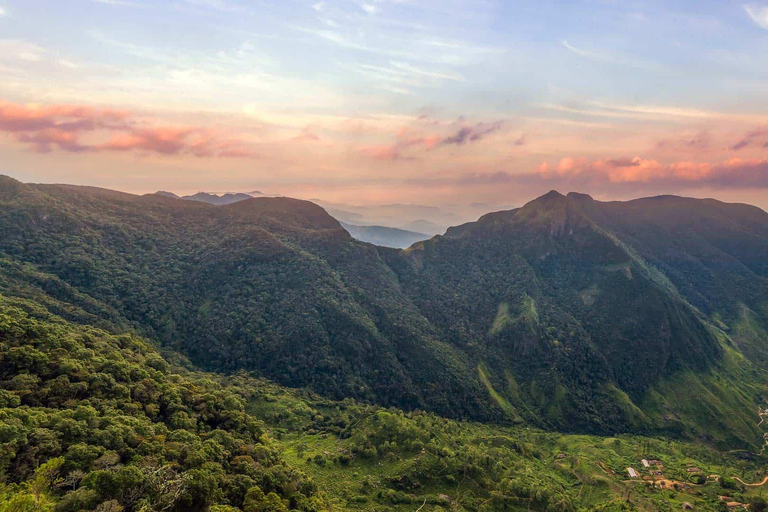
578	472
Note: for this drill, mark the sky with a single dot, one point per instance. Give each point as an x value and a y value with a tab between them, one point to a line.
461	104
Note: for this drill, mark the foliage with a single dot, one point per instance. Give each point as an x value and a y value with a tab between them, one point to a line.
99	418
566	313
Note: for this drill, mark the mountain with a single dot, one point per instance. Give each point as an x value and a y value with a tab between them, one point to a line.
425	226
97	421
215	199
566	313
384	236
429	220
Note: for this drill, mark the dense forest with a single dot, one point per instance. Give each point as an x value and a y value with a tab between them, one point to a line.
96	421
566	313
146	341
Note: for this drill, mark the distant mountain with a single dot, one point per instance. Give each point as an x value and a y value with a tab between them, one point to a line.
384	236
205	197
429	220
215	199
642	316
424	226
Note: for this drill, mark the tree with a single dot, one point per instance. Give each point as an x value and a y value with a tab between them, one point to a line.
758	504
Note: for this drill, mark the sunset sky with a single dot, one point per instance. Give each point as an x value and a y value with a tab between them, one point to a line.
432	102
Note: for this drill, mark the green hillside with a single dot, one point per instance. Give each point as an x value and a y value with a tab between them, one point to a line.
95	421
565	314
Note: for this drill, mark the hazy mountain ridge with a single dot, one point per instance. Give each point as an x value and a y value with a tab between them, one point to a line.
207	197
384	236
378	235
546	313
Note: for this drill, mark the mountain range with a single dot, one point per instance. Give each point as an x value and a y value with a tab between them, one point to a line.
384	236
647	316
207	197
378	235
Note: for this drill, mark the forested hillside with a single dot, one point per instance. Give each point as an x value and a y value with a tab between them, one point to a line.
566	313
97	421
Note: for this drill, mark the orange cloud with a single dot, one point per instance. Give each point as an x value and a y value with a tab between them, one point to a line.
65	127
734	173
622	175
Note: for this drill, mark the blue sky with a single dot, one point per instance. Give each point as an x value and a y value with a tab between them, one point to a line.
359	100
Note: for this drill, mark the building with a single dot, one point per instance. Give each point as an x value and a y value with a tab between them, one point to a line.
645	463
632	473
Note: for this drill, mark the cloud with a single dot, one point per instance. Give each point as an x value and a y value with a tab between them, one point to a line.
218	5
307	135
67	118
615	176
369	8
608	57
387	153
701	141
759	14
80	129
2	11
122	3
426	73
577	51
405	139
43	141
17	49
175	141
755	137
650	112
642	174
472	133
414	138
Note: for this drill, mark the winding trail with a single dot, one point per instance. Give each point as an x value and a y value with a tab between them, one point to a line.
765	480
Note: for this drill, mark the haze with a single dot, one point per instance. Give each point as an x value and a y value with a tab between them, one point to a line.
468	106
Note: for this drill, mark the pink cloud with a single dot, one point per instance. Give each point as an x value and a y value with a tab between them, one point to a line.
43	141
643	173
66	126
25	118
701	141
406	138
755	137
614	176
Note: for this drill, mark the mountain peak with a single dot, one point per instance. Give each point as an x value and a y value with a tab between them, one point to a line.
578	196
551	195
301	213
552	200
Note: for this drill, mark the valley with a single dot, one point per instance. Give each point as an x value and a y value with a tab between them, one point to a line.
272	362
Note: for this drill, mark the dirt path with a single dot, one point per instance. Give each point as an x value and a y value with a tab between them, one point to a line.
765	480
